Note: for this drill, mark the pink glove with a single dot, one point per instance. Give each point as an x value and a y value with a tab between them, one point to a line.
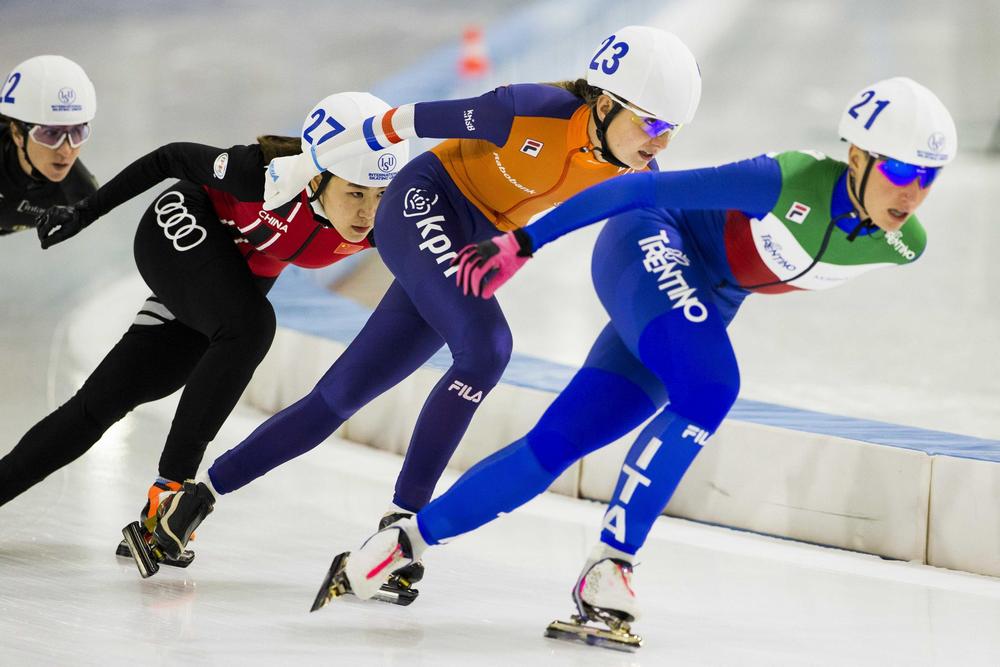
483	267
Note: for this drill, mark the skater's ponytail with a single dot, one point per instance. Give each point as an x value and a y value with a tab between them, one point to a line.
274	145
580	88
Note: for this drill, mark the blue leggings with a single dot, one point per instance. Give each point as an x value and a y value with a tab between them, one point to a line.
421	223
667	338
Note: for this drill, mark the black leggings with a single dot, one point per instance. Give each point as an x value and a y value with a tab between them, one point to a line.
206	330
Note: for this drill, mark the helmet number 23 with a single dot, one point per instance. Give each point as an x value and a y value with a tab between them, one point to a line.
866	97
5	95
318	116
609	63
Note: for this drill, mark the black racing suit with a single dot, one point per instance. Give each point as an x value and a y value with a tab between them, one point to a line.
22	197
206	329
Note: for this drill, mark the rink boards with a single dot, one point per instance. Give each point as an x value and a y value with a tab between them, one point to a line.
894	491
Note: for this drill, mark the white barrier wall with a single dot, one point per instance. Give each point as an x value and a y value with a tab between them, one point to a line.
885	500
965	515
805	486
297	360
809	487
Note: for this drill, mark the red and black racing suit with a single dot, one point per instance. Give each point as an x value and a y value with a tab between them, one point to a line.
210	254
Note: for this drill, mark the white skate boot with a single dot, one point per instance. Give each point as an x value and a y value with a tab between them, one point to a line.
365	572
604	596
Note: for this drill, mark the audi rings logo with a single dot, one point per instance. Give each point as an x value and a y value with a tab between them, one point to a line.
178	225
66	95
386	161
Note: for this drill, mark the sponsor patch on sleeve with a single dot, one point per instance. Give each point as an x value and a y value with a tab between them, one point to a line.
219	168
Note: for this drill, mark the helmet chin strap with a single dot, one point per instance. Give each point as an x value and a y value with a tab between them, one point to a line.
859	196
324	180
601	129
22	128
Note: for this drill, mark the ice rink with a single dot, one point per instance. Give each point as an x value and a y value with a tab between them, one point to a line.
913	346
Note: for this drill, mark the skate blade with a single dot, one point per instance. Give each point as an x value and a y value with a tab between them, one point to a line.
334	584
395	594
184	560
144	558
617	640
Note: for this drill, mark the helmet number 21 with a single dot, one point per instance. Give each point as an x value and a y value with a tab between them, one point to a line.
866	97
318	116
609	63
5	96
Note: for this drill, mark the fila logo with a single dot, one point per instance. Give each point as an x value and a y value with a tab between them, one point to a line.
699	435
797	213
465	391
532	147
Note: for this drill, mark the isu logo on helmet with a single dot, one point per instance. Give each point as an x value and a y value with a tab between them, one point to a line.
900	119
936	142
386	161
48	90
331	116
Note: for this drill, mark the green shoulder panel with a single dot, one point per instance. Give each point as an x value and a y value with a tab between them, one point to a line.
808	179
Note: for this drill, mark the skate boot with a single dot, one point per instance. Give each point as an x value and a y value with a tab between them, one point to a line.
143	529
401	580
604	597
177	517
365	571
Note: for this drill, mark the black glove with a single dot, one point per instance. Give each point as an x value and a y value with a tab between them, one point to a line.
58	223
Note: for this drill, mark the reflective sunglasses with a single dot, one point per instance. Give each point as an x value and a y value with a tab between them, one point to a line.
52	136
902	174
654	127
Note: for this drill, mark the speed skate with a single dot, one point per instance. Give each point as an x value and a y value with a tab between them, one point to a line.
604	596
140	545
335	584
616	635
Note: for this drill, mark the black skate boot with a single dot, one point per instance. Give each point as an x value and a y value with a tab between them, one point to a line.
142	529
177	518
402	580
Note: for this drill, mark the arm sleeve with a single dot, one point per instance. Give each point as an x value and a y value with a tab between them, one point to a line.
749	185
488	117
238	170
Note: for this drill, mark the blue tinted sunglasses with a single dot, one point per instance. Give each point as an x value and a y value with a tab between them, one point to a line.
653	127
902	174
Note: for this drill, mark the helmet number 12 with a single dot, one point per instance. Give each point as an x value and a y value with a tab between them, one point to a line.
866	97
609	64
13	80
318	116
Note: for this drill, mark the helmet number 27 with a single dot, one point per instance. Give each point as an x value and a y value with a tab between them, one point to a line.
866	97
609	63
13	80
318	116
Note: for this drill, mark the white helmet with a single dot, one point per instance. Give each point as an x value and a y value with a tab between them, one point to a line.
901	119
48	90
651	69
332	115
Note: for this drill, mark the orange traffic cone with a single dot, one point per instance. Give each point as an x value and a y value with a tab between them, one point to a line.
474	62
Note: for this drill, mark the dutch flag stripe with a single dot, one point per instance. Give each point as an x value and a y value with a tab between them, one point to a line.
369	133
387	129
